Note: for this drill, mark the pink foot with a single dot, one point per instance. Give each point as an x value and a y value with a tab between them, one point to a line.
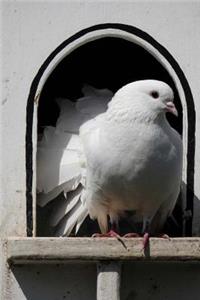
146	237
145	240
164	236
109	234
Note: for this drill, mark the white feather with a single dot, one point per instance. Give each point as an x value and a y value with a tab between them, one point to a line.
77	214
61	163
65	206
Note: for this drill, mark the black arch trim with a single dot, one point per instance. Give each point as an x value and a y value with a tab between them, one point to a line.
190	114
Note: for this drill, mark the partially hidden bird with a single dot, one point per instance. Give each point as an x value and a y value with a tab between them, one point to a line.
109	155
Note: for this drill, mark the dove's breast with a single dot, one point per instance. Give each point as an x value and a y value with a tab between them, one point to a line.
134	169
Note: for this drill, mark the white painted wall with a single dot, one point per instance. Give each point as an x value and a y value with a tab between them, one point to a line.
30	31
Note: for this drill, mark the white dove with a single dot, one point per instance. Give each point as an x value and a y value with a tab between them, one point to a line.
131	155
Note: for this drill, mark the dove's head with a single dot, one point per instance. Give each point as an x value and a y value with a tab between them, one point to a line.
148	98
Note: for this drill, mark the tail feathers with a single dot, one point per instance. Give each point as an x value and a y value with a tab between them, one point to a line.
75	217
43	199
55	167
69	119
65	205
61	163
89	90
94	102
60	150
71	185
73	115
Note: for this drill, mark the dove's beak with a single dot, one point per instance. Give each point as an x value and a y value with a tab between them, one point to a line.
170	107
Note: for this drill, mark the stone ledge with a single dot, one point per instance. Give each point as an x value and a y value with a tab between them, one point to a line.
60	250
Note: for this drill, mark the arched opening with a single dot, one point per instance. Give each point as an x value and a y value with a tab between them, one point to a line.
106	61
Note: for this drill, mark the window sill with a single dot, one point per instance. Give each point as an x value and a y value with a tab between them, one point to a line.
54	250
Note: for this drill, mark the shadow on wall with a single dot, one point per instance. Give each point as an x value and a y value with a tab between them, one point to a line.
169	281
54	282
139	280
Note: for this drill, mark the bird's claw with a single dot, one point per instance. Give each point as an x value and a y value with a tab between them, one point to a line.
164	236
145	240
109	234
131	235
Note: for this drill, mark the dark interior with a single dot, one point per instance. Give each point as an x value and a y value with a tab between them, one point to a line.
104	63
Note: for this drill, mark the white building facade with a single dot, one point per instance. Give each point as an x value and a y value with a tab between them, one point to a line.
36	39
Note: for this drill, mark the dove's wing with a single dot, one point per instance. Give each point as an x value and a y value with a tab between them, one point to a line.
61	164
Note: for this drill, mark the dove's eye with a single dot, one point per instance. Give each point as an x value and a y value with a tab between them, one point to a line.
154	94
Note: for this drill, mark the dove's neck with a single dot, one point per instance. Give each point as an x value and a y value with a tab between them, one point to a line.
125	115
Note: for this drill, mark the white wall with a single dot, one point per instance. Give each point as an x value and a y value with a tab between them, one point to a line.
31	30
